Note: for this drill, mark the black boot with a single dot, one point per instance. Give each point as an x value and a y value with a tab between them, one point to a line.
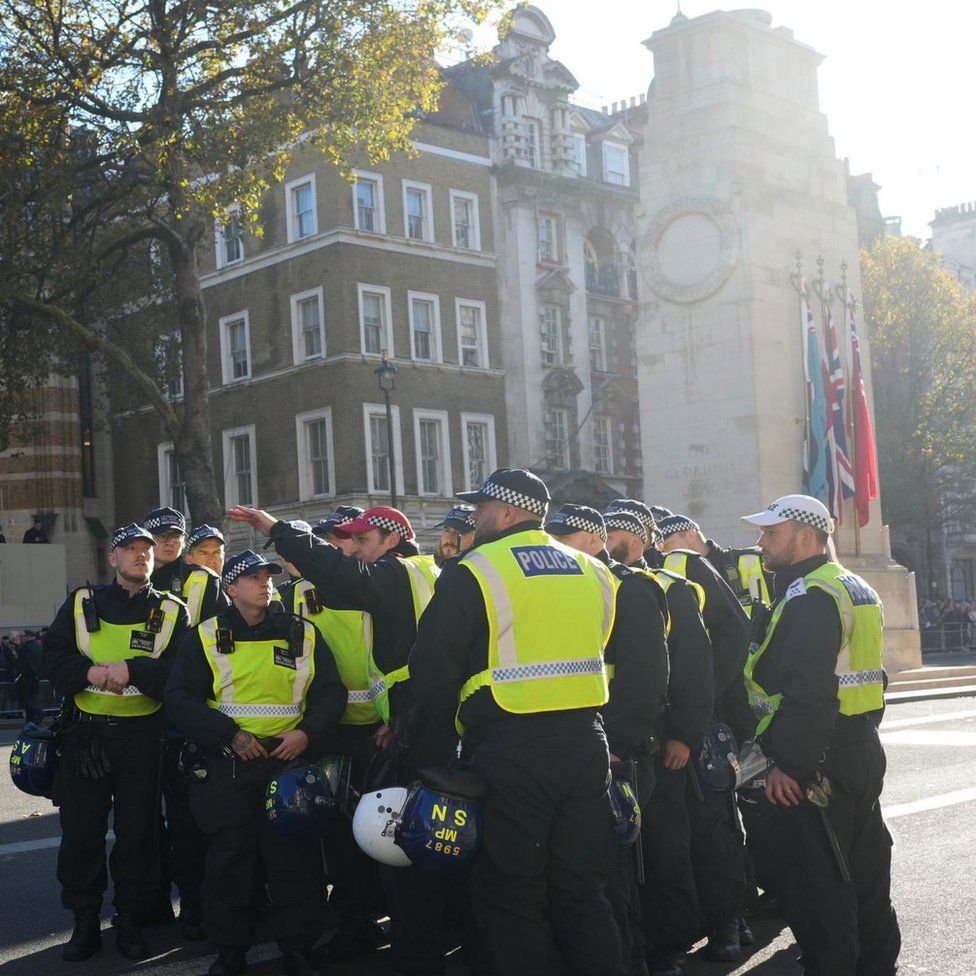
745	933
666	964
85	940
352	940
723	943
129	940
230	961
191	921
298	962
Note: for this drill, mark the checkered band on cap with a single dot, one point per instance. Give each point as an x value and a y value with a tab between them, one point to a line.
581	518
801	515
460	515
161	519
245	562
674	524
644	513
203	532
391	524
511	496
626	521
127	533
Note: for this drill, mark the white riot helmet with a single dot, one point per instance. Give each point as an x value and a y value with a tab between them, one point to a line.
374	825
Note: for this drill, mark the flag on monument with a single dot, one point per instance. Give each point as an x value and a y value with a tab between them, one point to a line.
865	459
814	461
840	471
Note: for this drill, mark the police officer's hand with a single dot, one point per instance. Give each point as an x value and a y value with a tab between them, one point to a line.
118	677
247	747
261	521
292	745
676	754
98	675
383	736
782	789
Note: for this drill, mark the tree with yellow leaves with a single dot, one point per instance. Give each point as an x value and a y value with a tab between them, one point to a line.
127	127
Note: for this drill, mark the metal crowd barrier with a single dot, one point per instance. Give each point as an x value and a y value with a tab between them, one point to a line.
949	638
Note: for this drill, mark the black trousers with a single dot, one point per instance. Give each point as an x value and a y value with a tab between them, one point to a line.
186	848
669	900
717	856
538	882
843	929
229	807
356	897
129	792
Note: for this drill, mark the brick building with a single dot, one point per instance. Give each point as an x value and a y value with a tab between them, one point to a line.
400	261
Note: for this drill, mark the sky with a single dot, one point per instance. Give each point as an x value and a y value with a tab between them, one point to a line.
895	83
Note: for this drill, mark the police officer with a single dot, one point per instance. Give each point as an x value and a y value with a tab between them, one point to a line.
816	684
257	688
109	650
187	567
457	533
206	546
741	569
646	515
637	668
514	639
669	899
388	578
353	875
717	850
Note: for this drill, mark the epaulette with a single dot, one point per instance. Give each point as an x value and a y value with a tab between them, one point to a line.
797	588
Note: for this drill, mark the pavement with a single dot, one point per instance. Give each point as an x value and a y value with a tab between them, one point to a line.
929	803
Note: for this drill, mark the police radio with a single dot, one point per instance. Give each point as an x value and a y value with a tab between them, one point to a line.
313	602
296	636
225	641
88	608
154	622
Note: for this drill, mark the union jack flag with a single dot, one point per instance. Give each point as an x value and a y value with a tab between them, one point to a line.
840	471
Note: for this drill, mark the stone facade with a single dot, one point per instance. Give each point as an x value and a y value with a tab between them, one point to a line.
738	172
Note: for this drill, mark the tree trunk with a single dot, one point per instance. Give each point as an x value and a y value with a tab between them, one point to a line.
194	449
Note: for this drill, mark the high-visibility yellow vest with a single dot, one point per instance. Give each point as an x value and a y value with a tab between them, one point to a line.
611	668
550	611
422	572
749	565
120	642
195	589
342	630
260	685
860	660
668	577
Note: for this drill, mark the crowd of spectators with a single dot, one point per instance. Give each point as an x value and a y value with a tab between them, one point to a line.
947	624
20	672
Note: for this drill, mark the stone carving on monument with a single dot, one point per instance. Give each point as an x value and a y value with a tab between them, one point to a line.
737	173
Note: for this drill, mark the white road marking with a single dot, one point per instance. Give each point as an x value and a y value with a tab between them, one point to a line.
905	723
928	737
42	844
929	803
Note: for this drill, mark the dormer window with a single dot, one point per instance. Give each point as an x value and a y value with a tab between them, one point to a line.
616	163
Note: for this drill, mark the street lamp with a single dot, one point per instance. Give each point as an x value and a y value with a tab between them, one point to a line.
386	373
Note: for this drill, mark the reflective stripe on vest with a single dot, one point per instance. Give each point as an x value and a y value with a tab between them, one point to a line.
112	643
343	631
263	697
550	612
422	573
194	590
667	578
860	660
753	579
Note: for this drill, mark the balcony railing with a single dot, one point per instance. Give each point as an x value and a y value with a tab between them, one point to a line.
603	281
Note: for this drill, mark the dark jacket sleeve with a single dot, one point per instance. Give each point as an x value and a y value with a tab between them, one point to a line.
439	659
149	674
727	623
325	699
803	658
215	600
639	653
63	664
691	689
338	578
189	687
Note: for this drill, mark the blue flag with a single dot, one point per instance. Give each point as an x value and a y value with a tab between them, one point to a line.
814	454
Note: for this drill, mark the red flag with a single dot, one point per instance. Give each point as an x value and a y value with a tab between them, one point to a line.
865	461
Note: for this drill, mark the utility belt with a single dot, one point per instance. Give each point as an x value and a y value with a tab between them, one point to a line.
195	762
72	715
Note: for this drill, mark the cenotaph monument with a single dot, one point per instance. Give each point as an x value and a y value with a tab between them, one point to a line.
738	173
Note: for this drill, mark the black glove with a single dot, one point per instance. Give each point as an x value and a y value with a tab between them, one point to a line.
84	751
